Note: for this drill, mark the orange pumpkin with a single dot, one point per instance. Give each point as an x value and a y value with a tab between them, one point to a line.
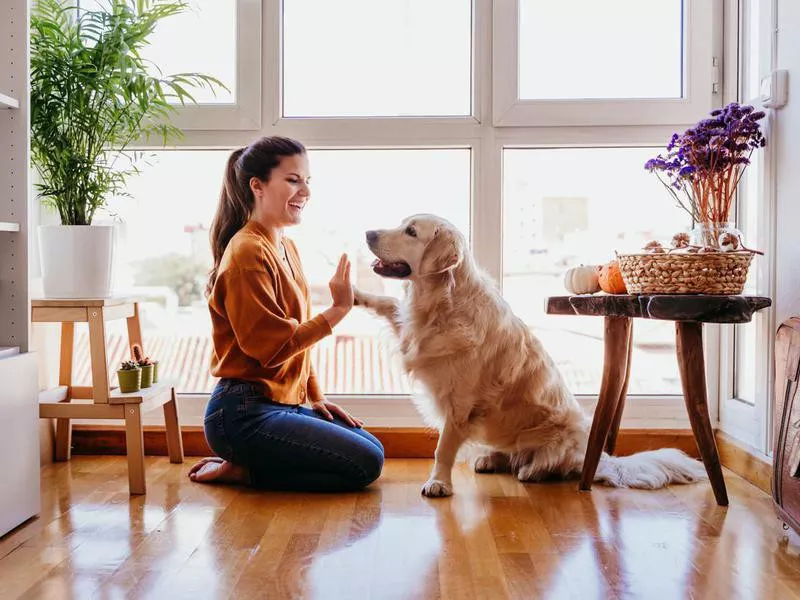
610	279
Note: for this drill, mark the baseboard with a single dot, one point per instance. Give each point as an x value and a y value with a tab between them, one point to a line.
630	441
744	461
413	442
406	442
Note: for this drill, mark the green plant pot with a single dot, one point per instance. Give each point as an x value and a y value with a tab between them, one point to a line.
130	380
147	376
155	372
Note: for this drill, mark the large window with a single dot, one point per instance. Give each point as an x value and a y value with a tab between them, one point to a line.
747	349
564	207
751	214
202	39
164	254
588	45
526	123
617	62
364	58
220	38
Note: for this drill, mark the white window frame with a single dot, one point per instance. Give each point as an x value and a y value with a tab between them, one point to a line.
698	76
751	421
486	141
245	112
344	128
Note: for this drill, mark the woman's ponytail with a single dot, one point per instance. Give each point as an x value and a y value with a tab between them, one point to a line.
233	212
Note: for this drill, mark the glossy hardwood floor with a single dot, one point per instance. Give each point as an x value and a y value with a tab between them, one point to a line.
496	538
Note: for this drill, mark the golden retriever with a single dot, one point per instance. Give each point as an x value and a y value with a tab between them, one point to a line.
489	378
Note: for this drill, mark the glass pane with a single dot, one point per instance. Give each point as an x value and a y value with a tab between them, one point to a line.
566	207
584	49
164	255
754	46
202	39
351	195
746	349
358	58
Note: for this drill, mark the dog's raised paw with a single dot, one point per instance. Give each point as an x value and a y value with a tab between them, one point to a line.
434	488
358	297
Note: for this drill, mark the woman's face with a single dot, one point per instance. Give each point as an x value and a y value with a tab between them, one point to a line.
281	200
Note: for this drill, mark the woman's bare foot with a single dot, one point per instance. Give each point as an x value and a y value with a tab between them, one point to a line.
217	470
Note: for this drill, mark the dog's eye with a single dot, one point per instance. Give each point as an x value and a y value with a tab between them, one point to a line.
411	231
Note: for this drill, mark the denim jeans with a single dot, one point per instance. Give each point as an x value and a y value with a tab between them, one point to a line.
288	447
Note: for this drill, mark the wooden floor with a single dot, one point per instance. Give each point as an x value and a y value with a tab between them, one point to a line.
494	539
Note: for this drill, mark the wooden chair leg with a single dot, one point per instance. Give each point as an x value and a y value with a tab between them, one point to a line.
134	441
174	440
63	443
134	329
611	440
615	340
689	338
97	350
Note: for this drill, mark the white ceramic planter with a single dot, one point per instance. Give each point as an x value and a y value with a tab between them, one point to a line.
76	260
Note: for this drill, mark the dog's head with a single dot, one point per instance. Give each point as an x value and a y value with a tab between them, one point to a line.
422	245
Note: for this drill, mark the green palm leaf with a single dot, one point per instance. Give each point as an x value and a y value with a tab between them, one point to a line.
92	95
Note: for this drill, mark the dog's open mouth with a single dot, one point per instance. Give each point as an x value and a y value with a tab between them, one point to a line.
391	269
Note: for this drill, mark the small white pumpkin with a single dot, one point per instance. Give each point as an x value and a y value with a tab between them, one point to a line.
582	280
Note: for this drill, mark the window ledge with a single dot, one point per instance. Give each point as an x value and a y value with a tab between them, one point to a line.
641	412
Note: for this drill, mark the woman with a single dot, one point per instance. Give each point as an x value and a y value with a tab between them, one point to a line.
262	332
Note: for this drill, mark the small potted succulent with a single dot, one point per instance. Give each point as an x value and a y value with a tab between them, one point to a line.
146	365
129	375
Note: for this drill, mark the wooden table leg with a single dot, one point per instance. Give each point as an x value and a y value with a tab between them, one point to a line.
99	358
615	340
611	440
173	430
63	444
134	446
134	330
689	337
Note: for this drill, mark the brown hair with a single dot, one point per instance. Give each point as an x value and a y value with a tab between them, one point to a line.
236	198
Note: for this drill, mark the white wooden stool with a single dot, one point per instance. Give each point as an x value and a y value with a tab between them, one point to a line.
102	401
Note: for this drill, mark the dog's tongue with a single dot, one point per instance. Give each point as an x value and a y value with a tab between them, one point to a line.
391	269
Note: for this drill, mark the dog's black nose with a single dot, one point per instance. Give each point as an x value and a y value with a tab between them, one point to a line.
372	236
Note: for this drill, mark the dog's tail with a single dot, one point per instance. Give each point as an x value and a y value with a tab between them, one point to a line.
649	470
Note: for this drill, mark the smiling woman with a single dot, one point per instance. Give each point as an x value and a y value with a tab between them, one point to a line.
166	260
262	333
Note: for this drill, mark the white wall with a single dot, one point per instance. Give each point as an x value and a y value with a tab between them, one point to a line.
787	144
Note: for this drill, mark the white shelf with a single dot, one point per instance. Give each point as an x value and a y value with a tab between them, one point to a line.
19	441
8	101
8	351
19	411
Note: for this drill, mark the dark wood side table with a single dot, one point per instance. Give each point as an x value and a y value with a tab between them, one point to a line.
689	313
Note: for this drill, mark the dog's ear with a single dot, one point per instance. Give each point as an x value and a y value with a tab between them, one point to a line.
441	254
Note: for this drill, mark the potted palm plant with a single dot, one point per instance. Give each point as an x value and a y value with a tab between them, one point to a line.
92	96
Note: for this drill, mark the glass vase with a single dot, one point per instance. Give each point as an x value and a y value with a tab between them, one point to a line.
706	234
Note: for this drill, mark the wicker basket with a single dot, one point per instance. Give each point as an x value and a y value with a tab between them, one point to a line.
718	273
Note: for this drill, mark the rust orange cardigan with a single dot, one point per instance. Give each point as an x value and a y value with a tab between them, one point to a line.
261	318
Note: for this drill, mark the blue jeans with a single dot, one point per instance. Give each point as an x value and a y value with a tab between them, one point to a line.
288	447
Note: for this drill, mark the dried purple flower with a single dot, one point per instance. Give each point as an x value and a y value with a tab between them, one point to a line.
703	166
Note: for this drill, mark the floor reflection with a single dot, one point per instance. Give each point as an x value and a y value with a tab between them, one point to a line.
496	538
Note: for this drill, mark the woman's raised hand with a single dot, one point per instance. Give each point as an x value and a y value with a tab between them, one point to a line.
341	292
341	288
